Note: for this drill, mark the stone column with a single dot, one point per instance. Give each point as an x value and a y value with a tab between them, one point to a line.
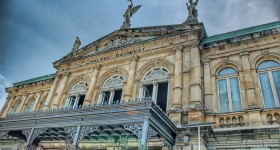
23	100
130	79
178	78
51	93
195	76
60	89
207	84
89	96
38	96
7	106
248	79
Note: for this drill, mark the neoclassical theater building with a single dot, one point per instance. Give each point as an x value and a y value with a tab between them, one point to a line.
168	87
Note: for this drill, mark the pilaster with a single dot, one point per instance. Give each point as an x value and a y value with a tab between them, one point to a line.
23	101
38	97
7	106
178	78
130	80
51	93
89	95
60	89
248	79
207	83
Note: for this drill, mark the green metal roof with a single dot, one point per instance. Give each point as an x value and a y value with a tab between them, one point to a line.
241	32
46	77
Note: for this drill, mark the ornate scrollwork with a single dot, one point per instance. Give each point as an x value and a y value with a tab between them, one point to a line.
113	82
4	135
136	128
151	133
79	88
158	73
36	133
71	131
85	130
26	132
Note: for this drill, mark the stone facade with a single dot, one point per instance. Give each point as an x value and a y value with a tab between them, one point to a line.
176	64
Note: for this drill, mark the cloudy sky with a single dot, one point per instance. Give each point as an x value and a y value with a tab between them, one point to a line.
35	33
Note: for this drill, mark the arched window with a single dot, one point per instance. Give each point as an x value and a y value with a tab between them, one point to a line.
269	76
30	105
154	85
15	109
229	91
111	90
76	96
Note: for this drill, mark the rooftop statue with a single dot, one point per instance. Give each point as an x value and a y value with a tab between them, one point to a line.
76	44
128	14
193	12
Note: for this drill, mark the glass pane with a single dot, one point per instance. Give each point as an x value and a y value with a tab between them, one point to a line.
268	64
162	95
72	101
148	91
106	97
117	96
81	100
266	90
276	78
235	95
227	71
223	95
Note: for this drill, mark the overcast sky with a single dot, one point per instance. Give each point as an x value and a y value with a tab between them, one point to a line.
35	33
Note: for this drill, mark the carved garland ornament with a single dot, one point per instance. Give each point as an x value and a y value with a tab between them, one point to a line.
114	81
158	73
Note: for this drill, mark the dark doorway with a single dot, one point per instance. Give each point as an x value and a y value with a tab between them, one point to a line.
162	95
81	100
117	96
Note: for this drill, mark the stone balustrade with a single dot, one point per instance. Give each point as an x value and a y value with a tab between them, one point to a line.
270	117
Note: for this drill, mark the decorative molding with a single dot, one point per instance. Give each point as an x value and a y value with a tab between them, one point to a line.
151	133
178	48
113	82
26	132
36	133
71	131
79	88
85	130
158	73
4	135
136	128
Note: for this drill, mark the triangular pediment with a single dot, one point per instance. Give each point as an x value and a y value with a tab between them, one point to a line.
124	38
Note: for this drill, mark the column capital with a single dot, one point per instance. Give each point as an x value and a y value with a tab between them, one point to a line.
97	67
205	60
178	47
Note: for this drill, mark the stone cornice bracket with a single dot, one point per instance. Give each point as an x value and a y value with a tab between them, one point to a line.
134	58
245	53
205	60
97	67
265	52
225	60
178	47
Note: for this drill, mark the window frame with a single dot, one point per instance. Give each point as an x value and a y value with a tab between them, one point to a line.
227	78
271	81
76	94
155	83
110	89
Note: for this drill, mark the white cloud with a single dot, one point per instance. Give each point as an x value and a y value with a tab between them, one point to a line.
3	84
